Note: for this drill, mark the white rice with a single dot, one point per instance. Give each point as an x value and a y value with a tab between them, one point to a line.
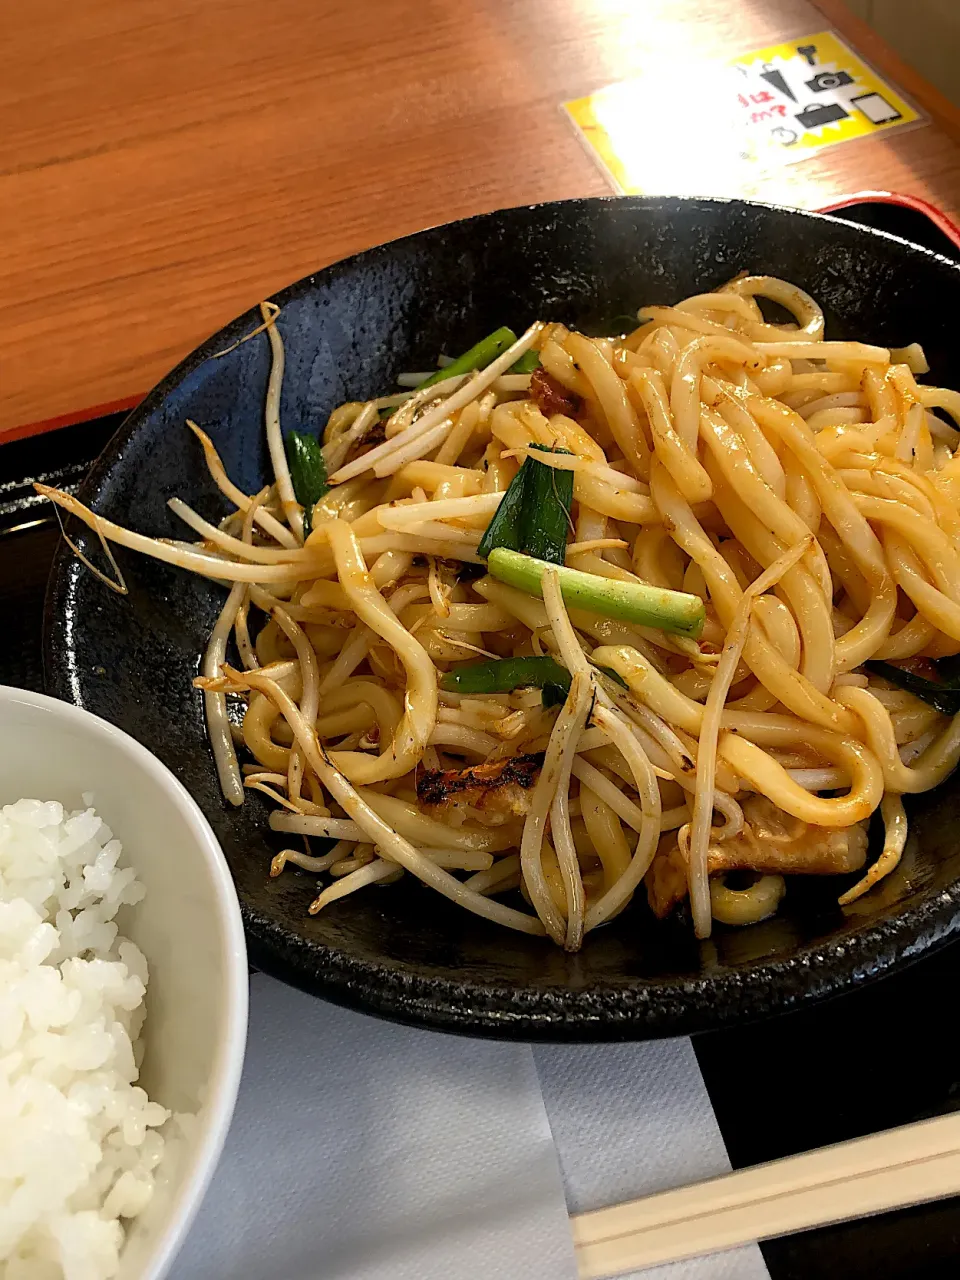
78	1139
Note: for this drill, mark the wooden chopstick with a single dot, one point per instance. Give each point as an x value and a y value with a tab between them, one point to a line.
890	1170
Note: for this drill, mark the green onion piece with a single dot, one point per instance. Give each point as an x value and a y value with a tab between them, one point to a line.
505	675
308	471
948	670
529	361
506	529
945	697
648	606
478	357
614	676
553	695
547	499
534	513
623	323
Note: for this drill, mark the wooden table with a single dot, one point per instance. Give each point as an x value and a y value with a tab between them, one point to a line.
164	164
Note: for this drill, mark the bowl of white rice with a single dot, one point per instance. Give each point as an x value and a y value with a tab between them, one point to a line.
123	999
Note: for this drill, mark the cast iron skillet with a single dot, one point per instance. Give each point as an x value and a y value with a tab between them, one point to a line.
403	952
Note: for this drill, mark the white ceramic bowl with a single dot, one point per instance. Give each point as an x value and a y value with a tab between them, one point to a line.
188	926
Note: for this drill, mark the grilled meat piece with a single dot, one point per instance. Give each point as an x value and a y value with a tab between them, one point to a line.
771	843
550	396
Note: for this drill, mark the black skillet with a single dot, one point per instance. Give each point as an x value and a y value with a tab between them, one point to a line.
403	952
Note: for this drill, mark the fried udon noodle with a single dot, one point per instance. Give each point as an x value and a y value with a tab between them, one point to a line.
805	490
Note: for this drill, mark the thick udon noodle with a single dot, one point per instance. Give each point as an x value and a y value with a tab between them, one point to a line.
806	489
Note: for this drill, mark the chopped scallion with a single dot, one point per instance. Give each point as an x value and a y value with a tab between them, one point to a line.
529	361
944	695
308	472
479	356
674	611
504	675
534	513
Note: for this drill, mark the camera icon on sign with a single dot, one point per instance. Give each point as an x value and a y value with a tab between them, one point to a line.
825	80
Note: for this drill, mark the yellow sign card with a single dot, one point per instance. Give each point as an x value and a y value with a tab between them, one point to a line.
713	128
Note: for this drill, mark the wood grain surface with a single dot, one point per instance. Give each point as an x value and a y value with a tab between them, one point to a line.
164	164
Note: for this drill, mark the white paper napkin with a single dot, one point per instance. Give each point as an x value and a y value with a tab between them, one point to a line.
375	1152
365	1151
633	1119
